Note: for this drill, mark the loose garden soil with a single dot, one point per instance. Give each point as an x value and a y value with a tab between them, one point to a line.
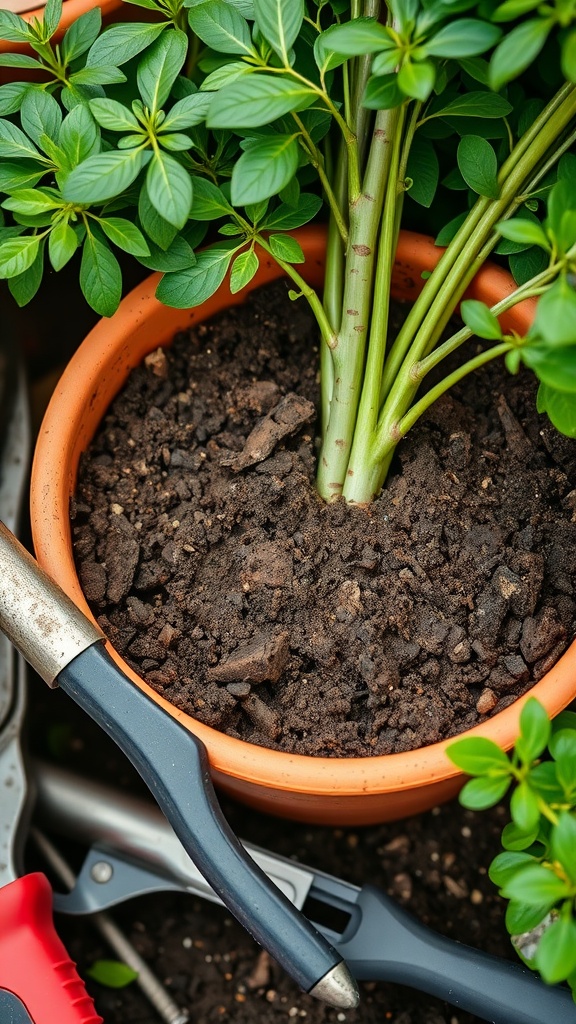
215	569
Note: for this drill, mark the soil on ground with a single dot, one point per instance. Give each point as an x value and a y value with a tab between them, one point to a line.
215	569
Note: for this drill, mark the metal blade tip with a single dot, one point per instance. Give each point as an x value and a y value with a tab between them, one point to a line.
337	988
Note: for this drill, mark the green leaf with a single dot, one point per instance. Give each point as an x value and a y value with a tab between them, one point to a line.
517	50
176	142
286	248
156	227
556	954
560	408
424	170
264	169
79	137
257	100
352	39
480	320
224	75
556	319
506	865
192	287
120	43
521	918
24	286
125	235
478	794
528	232
40	115
100	276
536	885
14	144
478	756
563	842
17	255
20	60
478	165
525	265
382	93
160	67
417	80
280	22
524	807
554	366
81	34
178	256
104	176
543	779
14	29
566	774
287	218
102	75
465	37
15	176
447	233
208	202
243	269
221	27
52	16
473	104
30	202
12	95
112	973
62	244
113	115
386	63
512	9
169	188
513	838
534	731
187	112
568	56
563	739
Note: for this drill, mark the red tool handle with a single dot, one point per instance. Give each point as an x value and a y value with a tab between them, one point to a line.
34	964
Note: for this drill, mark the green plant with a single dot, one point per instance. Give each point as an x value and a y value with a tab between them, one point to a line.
247	114
537	870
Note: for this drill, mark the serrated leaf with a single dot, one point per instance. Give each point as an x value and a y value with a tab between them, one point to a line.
120	43
178	256
52	17
478	165
14	29
17	255
81	34
286	248
104	176
257	100
243	269
169	188
478	756
480	320
264	169
221	27
114	116
159	68
159	230
280	22
100	276
62	244
192	287
112	973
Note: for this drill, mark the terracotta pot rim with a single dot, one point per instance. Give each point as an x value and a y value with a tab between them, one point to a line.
71	10
238	759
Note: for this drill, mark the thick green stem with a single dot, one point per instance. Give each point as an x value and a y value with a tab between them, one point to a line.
348	352
333	286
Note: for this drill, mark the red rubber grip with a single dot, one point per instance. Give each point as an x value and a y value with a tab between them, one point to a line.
34	964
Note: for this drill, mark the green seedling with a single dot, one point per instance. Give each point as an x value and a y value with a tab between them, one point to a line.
536	872
255	117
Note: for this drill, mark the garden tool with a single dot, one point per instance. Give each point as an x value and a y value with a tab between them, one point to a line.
38	981
133	850
67	650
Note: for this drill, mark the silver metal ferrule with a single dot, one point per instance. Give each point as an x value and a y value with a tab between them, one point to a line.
337	988
36	615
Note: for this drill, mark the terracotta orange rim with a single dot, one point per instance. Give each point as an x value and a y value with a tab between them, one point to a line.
111	349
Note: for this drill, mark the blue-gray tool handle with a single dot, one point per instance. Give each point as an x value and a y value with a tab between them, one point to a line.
388	944
12	1011
67	650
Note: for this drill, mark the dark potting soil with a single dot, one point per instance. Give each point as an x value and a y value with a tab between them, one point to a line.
215	569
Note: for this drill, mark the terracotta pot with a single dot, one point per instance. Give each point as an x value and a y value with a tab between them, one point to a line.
71	10
349	791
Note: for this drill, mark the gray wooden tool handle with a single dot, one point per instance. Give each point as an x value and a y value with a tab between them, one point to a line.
36	615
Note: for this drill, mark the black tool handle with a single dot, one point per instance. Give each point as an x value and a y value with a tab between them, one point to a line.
173	763
388	944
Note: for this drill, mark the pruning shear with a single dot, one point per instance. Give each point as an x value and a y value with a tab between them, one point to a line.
66	649
133	850
38	981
